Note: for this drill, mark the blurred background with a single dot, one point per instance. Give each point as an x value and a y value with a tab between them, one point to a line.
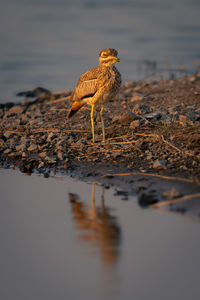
50	43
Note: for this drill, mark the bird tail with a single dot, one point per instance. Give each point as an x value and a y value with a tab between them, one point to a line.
75	107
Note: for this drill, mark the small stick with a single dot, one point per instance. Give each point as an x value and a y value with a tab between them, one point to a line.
59	100
149	174
61	92
116	143
172	201
95	152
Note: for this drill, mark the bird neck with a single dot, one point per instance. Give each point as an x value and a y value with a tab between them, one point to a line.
106	65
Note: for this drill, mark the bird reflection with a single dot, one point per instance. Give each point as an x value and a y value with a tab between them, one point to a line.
97	226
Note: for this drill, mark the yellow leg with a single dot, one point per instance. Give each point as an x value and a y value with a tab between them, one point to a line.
92	122
102	122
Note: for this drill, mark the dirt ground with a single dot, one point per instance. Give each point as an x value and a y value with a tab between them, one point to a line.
152	130
150	126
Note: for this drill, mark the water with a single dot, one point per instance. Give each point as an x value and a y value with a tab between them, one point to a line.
56	244
50	43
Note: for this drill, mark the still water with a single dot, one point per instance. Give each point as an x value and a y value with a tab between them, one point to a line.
65	239
50	43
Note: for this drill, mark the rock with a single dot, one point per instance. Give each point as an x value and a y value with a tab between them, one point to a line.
178	108
141	109
24	155
129	84
149	155
41	164
32	147
147	199
26	167
154	115
127	118
12	154
191	78
136	97
7	151
1	113
42	154
183	120
60	156
12	143
7	134
46	174
171	194
128	92
21	147
159	165
15	110
2	145
50	136
134	124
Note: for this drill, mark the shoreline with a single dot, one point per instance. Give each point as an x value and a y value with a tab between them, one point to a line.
151	127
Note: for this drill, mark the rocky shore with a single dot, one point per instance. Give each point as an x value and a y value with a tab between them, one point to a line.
150	126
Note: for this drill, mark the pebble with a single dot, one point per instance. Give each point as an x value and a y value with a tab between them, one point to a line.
141	109
41	164
134	124
127	118
147	199
50	136
24	155
149	155
21	147
15	110
7	134
136	97
129	84
154	115
60	156
42	154
159	165
183	120
7	151
32	147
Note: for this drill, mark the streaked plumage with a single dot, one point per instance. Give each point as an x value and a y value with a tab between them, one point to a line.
97	85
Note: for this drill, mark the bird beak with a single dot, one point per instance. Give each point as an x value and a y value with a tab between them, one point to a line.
116	58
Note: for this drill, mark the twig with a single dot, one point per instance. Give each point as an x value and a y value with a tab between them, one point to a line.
61	92
172	201
46	130
57	130
58	109
117	143
149	174
168	143
59	100
95	152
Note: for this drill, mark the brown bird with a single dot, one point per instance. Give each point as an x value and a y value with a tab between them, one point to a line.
97	85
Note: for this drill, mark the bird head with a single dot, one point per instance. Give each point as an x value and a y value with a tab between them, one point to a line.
108	57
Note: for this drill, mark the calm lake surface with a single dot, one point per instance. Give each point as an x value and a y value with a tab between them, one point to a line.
50	43
64	239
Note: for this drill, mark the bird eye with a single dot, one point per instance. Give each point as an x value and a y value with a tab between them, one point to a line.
104	55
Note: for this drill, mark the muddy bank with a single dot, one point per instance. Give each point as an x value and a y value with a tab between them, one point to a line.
151	127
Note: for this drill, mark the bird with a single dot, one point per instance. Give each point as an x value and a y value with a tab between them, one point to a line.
97	85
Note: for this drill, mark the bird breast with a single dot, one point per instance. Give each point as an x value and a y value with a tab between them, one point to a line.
110	82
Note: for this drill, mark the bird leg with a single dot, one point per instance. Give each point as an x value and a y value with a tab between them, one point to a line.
102	122
92	122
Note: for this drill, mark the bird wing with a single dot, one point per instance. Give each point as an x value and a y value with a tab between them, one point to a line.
87	85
